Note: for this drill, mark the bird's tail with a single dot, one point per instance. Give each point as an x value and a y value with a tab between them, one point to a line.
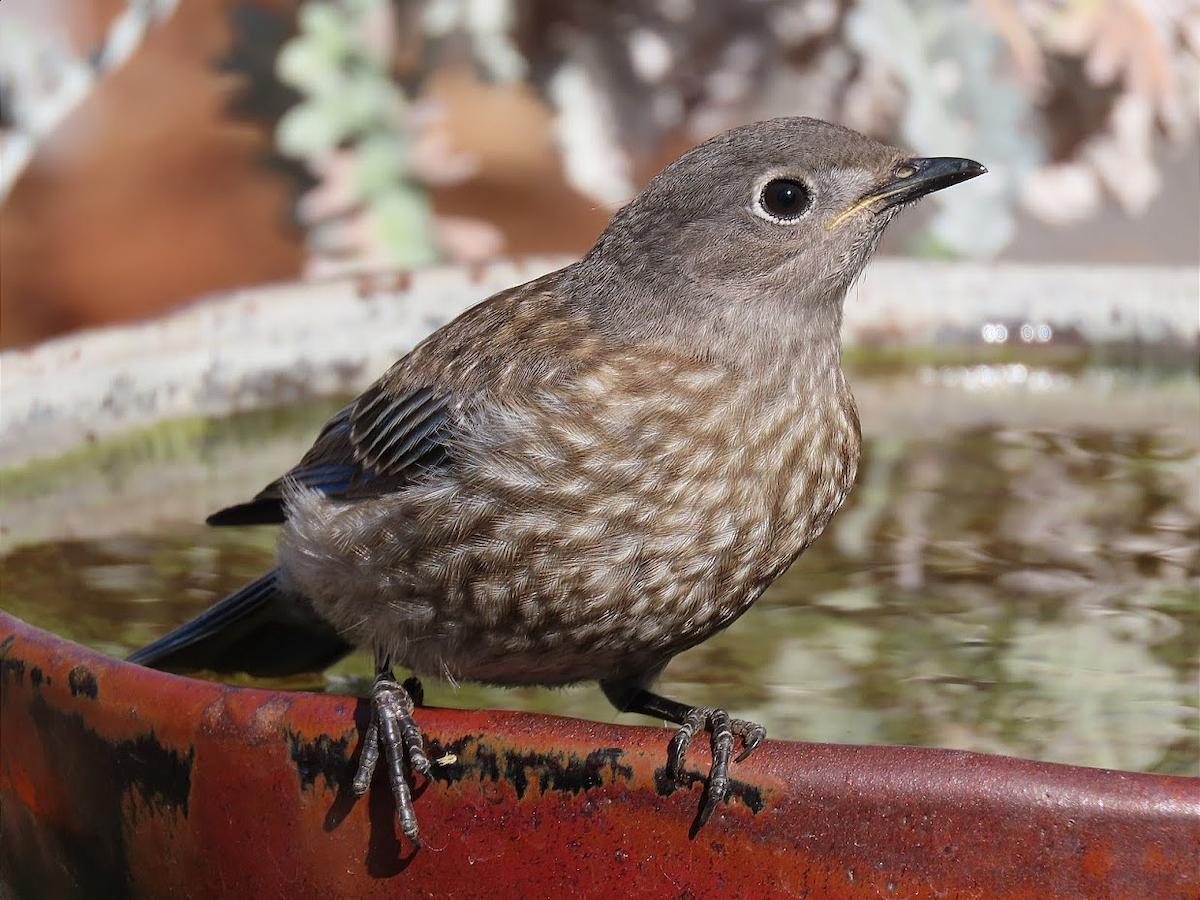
259	629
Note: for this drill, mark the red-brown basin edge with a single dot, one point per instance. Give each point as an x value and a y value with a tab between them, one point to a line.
118	781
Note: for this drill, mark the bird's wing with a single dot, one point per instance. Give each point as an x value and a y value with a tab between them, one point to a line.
401	424
372	446
393	433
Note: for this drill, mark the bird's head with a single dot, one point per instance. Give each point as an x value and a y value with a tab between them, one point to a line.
790	207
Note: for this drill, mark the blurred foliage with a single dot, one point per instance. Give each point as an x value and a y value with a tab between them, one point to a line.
1066	102
1063	100
354	128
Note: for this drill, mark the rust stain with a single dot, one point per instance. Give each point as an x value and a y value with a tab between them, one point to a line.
83	682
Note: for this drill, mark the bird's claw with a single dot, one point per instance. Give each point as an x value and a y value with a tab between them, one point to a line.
723	730
394	729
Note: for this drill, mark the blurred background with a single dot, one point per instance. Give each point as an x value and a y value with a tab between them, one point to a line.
155	150
1018	568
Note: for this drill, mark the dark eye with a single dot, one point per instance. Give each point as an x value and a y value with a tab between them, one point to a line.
785	199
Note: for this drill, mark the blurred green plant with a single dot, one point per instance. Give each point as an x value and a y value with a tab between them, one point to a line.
353	129
1064	100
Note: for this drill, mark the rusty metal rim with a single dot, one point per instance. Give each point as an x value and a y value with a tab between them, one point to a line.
157	785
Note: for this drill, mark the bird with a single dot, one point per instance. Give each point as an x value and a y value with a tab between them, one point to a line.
585	475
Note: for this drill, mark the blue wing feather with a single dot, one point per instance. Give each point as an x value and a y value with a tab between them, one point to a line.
372	446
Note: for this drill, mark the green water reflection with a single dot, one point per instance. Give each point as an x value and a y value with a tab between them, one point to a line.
1028	588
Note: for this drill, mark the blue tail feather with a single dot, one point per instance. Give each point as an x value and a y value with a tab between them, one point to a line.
258	629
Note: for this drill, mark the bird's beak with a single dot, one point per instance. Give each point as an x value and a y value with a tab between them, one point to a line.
914	178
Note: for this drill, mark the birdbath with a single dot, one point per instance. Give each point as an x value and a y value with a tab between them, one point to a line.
121	781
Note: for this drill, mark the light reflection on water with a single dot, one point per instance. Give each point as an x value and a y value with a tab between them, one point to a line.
993	377
1027	589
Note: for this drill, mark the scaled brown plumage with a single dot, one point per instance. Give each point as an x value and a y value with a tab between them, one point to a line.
585	475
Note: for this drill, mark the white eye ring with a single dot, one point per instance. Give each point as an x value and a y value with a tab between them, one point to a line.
782	199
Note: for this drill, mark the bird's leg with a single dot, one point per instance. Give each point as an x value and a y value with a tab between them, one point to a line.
630	697
392	727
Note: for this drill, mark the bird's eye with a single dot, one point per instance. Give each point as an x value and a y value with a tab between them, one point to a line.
785	199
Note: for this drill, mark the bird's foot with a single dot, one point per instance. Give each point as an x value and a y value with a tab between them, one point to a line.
723	730
394	729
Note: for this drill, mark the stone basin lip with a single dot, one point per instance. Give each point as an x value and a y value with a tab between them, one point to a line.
122	781
275	344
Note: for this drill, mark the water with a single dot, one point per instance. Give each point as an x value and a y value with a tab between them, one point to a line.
1017	570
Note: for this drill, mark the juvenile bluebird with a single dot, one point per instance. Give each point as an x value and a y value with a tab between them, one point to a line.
587	474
